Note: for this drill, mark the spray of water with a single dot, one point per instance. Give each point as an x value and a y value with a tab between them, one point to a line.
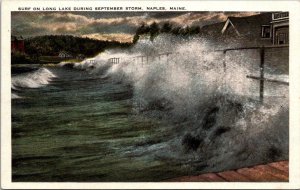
35	79
218	122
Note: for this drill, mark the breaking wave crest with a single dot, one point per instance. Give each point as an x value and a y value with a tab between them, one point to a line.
218	122
35	79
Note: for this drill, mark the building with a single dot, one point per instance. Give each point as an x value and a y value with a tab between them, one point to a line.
280	28
17	44
80	57
256	30
64	54
248	30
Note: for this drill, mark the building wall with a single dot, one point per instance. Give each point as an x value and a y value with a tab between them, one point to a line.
240	63
251	35
280	27
281	35
21	46
18	45
278	60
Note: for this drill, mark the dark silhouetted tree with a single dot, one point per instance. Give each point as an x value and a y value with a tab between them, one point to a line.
143	29
154	30
176	30
136	37
166	28
194	30
51	45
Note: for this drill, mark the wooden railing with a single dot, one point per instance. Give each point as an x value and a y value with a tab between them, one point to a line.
260	78
145	59
114	60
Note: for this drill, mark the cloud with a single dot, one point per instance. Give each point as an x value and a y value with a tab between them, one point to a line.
201	19
108	24
70	23
111	37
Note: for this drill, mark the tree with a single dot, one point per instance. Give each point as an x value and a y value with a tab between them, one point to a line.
52	45
136	37
143	29
154	30
184	31
195	30
176	30
166	28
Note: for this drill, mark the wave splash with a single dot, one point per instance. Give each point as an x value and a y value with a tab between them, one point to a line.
217	121
34	79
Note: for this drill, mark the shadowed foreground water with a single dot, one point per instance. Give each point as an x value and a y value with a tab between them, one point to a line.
81	129
103	123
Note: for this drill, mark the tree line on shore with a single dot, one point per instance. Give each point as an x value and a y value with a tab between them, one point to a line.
155	29
52	45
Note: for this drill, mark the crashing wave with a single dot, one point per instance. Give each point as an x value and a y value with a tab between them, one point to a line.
15	96
214	110
35	79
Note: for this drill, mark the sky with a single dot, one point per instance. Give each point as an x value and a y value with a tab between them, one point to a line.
112	26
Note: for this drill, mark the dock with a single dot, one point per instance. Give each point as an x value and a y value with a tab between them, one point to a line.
272	172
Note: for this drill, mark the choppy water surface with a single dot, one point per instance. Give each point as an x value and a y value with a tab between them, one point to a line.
176	116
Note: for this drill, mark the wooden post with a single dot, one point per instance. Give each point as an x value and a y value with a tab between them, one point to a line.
224	61
168	57
224	69
262	67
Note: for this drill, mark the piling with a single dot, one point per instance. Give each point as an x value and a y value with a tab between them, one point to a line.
262	67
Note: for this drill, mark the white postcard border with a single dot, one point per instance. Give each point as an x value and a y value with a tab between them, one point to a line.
294	74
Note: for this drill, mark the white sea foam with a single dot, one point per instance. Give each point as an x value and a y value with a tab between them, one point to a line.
213	102
35	79
15	96
187	77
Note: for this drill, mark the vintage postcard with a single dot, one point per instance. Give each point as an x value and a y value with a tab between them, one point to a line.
121	94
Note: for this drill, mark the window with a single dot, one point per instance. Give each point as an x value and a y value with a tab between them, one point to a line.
266	31
281	35
280	15
282	38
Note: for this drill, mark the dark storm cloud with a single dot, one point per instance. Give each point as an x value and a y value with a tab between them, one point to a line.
106	28
97	23
26	29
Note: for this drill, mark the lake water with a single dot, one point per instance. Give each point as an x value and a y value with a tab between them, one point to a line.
177	115
83	129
